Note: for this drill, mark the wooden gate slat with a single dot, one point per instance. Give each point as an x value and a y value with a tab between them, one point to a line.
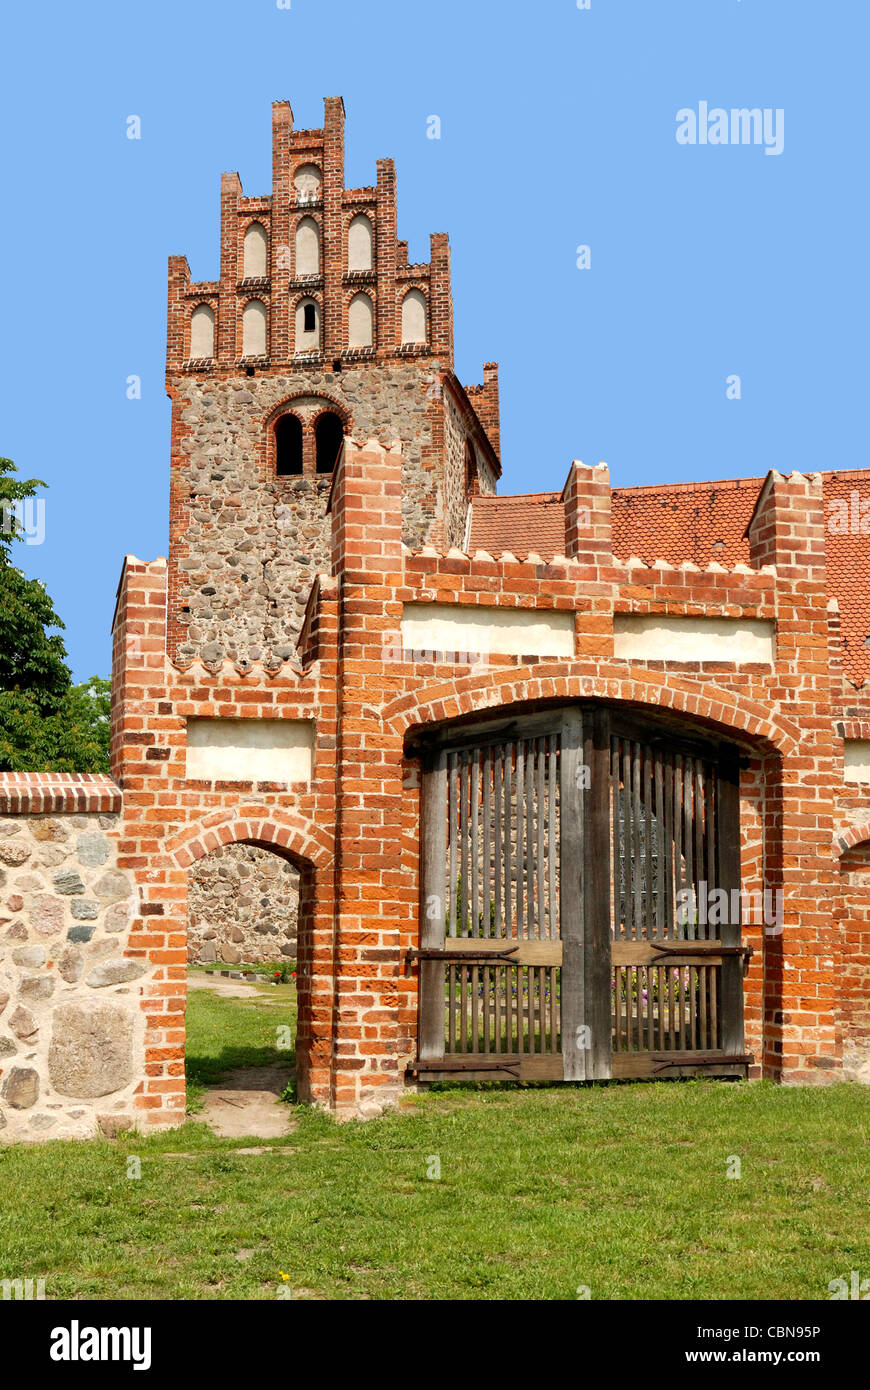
521	848
669	839
700	929
688	845
540	822
728	834
648	870
474	793
597	893
507	831
498	811
571	906
679	871
463	844
636	855
453	772
433	834
488	910
660	914
552	847
531	928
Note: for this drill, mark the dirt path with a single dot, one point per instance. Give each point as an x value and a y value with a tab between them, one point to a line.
248	1103
230	989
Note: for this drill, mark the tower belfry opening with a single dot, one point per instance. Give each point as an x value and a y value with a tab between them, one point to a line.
329	437
288	446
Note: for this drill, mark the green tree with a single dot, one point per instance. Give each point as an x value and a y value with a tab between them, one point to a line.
47	724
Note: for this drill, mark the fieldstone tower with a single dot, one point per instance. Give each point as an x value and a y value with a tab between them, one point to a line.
317	328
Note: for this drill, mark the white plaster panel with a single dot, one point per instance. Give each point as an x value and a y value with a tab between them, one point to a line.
256	255
250	750
737	641
254	329
202	331
360	326
414	317
856	761
307	247
307	180
360	242
442	627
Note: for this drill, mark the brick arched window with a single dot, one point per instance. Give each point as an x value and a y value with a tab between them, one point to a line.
414	317
361	322
254	321
256	252
329	437
307	333
202	331
308	247
288	446
360	243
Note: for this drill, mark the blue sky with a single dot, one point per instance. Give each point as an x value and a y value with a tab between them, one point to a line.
558	130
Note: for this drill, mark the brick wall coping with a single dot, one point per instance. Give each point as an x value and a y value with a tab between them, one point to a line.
24	793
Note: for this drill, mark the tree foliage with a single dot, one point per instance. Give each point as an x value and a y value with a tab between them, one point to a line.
47	724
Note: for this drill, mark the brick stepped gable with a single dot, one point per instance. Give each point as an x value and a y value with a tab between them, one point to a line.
245	543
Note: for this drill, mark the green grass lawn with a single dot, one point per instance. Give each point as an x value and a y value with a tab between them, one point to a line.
224	1033
622	1189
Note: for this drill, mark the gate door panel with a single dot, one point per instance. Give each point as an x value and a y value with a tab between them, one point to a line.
491	941
554	943
677	964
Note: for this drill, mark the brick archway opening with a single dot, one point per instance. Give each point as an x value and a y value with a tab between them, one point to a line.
306	854
249	923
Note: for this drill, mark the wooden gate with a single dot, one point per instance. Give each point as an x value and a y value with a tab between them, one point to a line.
568	861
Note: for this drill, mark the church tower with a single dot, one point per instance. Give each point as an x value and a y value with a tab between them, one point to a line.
318	328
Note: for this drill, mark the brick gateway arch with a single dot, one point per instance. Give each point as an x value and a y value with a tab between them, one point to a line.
284	668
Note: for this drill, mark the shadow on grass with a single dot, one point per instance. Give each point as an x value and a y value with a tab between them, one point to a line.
210	1070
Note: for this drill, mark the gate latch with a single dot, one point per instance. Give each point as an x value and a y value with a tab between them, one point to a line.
459	957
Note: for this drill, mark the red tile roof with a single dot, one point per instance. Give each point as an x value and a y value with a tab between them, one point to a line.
531	521
700	522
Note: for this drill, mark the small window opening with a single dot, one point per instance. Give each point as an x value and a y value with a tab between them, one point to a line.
288	446
329	437
310	318
472	481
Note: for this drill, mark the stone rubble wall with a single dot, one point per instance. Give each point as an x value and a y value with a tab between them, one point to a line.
243	905
71	1028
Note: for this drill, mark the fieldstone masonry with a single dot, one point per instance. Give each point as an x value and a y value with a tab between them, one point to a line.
254	541
69	1015
243	906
